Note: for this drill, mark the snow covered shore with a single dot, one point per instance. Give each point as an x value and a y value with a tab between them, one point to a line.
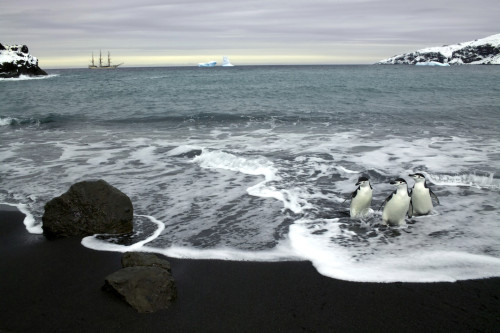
15	60
485	51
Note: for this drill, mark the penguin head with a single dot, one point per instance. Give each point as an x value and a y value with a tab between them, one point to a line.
418	177
399	182
363	182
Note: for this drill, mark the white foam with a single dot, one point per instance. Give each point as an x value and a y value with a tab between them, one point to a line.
466	179
144	155
390	263
279	253
29	220
276	254
28	78
258	166
227	161
345	170
208	210
6	121
92	242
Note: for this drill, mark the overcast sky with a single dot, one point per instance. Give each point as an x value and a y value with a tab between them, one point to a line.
64	33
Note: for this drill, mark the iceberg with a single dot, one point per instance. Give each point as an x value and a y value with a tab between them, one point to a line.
207	64
226	63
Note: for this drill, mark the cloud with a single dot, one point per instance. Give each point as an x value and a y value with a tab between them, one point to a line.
194	27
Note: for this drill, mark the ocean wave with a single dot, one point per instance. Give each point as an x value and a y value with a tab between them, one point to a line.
185	151
28	78
466	179
6	121
37	121
217	118
227	161
258	166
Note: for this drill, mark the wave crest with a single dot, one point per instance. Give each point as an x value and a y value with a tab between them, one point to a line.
466	179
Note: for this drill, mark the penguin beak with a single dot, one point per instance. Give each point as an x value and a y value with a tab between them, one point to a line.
392	182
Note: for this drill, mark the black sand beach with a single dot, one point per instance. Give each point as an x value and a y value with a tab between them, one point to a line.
55	286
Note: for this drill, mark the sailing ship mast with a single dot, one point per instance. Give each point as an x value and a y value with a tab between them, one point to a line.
101	66
92	66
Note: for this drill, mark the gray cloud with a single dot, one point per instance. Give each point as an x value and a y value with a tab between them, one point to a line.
196	26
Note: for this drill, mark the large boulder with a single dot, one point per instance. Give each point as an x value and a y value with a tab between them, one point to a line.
87	208
145	282
15	61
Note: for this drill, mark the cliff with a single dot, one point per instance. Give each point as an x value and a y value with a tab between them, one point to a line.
485	51
15	61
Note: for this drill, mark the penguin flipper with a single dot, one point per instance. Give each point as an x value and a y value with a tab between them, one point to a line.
434	197
353	194
410	209
387	199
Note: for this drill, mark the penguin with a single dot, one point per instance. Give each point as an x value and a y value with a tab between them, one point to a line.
397	204
361	198
421	196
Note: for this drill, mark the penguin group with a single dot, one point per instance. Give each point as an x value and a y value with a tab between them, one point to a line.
401	202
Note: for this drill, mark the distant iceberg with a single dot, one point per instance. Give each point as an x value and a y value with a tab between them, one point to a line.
226	63
207	64
431	63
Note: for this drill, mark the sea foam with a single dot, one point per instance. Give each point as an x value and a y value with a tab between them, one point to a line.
217	172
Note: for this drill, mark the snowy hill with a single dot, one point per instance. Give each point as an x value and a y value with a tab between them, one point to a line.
485	51
15	60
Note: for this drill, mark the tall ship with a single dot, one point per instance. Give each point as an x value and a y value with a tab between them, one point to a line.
101	65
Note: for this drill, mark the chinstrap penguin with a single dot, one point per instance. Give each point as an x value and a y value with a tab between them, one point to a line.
421	196
361	198
397	204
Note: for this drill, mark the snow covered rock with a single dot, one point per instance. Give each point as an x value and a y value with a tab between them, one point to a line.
15	61
485	51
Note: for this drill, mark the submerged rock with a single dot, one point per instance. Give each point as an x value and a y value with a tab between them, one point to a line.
15	61
87	208
145	282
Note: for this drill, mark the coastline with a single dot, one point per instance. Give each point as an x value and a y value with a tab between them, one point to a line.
52	286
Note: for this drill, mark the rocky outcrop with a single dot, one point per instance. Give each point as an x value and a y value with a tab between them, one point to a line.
88	208
144	282
132	259
485	51
15	61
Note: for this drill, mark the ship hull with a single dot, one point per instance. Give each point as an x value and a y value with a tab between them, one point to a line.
104	67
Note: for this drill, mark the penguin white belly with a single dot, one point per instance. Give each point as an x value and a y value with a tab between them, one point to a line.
361	203
395	210
421	201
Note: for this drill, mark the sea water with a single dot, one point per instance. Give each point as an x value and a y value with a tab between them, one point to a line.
256	163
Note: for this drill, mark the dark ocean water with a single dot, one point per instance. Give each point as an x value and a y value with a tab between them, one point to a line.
255	163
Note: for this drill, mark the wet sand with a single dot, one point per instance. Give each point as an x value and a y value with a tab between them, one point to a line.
55	286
